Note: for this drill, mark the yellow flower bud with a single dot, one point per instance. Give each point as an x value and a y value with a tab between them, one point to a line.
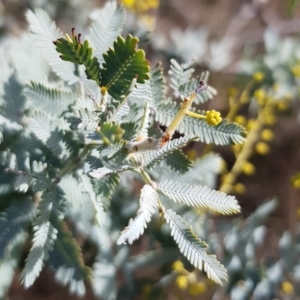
248	168
287	287
178	266
267	135
128	3
231	92
196	289
240	119
182	282
103	90
296	70
258	76
270	119
239	188
283	105
213	117
262	148
296	180
192	154
250	124
260	96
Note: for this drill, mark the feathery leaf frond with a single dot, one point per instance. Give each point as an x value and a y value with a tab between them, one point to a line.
200	196
194	249
66	258
50	207
44	32
122	64
13	220
183	85
106	27
202	171
151	158
178	161
153	90
52	100
136	227
223	134
44	128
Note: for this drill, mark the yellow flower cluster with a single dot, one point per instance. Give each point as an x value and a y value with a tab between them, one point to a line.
140	6
262	148
287	287
261	96
187	281
296	70
296	181
248	168
197	288
258	76
213	117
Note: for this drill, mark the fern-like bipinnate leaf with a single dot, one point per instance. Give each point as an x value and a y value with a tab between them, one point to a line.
73	51
50	208
107	26
44	32
123	63
52	100
66	258
136	227
152	158
45	129
225	133
183	85
178	161
153	90
203	171
194	249
200	196
13	221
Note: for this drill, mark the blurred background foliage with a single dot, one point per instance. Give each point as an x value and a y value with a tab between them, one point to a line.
252	49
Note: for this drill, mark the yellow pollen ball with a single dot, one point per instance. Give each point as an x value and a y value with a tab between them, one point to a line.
231	92
270	119
282	105
260	96
182	282
197	289
240	119
258	76
250	124
296	70
239	188
248	168
178	266
296	183
267	135
128	3
262	148
287	287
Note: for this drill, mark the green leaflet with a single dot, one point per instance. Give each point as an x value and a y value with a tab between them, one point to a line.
122	64
66	258
73	51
